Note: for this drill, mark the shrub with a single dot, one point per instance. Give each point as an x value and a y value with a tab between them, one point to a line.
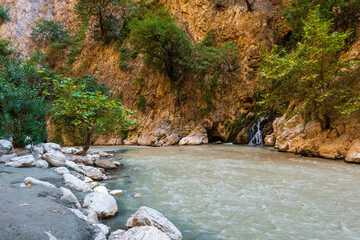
51	32
4	16
5	47
141	103
22	107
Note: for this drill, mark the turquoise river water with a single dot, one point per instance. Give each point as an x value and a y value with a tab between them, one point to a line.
240	192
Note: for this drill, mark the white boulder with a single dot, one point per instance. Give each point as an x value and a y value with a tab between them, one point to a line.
92	172
52	148
4	158
101	189
73	166
75	184
196	137
34	181
103	204
139	233
146	216
5	146
56	159
61	170
69	197
41	164
23	161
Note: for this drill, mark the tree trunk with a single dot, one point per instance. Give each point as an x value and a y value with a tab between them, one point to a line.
87	145
248	5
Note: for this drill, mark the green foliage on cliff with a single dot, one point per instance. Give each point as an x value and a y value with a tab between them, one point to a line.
345	13
141	103
107	27
4	16
78	41
55	35
22	106
210	62
165	46
84	112
308	74
51	32
5	49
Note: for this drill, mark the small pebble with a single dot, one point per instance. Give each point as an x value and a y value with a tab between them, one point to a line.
137	195
116	192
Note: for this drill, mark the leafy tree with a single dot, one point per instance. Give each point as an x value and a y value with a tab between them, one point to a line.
22	107
346	14
4	16
309	73
103	11
165	46
84	114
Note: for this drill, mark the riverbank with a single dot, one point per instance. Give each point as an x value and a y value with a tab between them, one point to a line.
49	192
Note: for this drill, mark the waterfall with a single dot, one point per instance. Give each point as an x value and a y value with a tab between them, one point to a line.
255	131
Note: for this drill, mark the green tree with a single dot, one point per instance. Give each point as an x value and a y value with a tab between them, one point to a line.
103	11
166	47
346	14
309	73
4	16
23	109
85	114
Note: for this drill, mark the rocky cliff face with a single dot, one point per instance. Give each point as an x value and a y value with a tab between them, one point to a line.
166	120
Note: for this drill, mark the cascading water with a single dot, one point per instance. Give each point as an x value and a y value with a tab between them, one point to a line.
255	131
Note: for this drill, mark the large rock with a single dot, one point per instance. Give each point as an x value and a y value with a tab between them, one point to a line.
103	163
101	189
146	216
34	181
41	164
56	159
71	151
5	147
61	170
91	217
73	166
52	148
23	161
4	158
69	197
80	159
103	204
101	231
269	140
92	172
196	137
353	155
139	233
75	184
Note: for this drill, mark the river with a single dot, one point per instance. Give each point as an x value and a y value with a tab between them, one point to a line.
240	192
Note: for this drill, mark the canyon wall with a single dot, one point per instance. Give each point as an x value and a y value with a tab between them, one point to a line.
166	120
